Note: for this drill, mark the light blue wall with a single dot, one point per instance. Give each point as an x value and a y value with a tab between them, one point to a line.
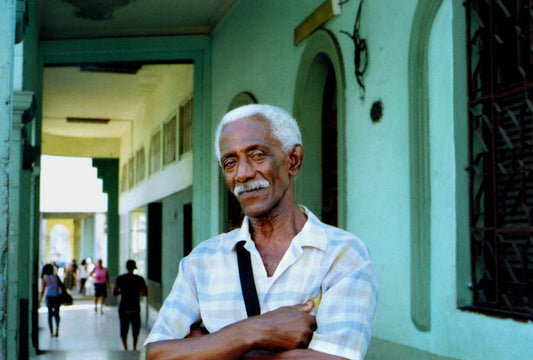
253	51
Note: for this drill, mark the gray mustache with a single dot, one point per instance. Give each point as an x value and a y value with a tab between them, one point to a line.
250	185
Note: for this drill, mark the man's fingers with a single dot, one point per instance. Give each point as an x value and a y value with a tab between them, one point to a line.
307	307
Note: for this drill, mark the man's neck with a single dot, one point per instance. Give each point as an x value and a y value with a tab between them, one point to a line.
285	223
272	234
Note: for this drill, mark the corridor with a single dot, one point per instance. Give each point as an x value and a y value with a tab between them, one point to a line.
86	335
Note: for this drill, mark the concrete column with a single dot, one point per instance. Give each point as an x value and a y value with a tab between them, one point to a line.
87	238
7	53
18	316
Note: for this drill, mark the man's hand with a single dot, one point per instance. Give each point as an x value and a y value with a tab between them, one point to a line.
287	328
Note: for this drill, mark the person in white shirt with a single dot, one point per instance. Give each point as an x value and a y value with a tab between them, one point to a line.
83	274
316	286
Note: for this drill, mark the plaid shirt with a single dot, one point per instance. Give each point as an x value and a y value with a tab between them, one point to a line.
323	263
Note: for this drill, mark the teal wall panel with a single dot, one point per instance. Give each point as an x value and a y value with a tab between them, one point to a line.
172	249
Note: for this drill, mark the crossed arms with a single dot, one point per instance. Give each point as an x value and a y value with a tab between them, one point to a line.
339	321
284	333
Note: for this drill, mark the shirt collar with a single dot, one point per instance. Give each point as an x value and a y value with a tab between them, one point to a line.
312	234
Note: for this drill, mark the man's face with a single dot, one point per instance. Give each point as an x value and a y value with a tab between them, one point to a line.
254	167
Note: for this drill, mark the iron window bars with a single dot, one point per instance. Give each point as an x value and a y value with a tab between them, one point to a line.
500	68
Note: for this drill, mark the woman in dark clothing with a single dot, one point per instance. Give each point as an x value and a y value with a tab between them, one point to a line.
51	285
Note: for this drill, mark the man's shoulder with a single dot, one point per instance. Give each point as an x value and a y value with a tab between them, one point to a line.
347	243
338	238
331	231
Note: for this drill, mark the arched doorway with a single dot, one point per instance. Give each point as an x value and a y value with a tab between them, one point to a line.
320	111
59	251
232	213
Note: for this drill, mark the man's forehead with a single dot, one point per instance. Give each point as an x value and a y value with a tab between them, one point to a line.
246	126
245	133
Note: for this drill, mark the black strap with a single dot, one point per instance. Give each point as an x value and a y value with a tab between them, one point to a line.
246	275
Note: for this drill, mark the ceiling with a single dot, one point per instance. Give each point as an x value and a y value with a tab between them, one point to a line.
82	19
106	93
71	93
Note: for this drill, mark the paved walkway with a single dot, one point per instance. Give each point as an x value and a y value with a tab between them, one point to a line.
86	335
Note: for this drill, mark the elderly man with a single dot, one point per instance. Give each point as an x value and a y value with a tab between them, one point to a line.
315	284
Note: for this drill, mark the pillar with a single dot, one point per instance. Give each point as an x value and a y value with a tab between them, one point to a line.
108	172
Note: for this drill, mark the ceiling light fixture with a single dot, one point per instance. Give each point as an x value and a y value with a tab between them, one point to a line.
88	120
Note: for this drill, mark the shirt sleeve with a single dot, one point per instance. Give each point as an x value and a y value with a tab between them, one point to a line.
179	311
346	312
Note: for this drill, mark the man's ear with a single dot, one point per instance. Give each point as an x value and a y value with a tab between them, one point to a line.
296	158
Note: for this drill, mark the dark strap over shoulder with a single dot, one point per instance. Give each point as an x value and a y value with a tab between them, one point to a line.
246	275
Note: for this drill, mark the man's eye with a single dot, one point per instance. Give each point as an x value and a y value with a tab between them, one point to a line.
228	165
257	156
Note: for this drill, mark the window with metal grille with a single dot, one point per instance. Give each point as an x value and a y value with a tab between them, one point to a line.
500	60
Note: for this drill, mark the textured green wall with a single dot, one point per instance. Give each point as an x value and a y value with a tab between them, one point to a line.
427	284
7	24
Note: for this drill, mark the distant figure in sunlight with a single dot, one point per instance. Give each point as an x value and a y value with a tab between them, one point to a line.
70	276
131	287
101	283
83	274
51	285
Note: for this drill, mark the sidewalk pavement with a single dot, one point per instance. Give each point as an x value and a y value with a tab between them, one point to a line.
86	335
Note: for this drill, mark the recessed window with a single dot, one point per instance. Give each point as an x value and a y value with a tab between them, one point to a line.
186	121
169	141
155	152
140	165
131	173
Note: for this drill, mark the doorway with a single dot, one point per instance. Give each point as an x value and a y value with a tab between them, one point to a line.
320	111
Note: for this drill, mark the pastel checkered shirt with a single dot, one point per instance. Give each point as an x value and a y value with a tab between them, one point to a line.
323	263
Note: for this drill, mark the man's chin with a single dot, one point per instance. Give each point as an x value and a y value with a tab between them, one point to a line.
255	210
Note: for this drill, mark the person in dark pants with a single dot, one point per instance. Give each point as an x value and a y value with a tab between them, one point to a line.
131	287
51	285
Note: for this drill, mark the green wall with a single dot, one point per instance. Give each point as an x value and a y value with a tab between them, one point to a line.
252	50
425	285
172	238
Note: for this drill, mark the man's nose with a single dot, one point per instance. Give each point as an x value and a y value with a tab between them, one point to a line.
245	171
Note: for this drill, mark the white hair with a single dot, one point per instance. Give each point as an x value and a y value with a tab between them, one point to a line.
283	126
